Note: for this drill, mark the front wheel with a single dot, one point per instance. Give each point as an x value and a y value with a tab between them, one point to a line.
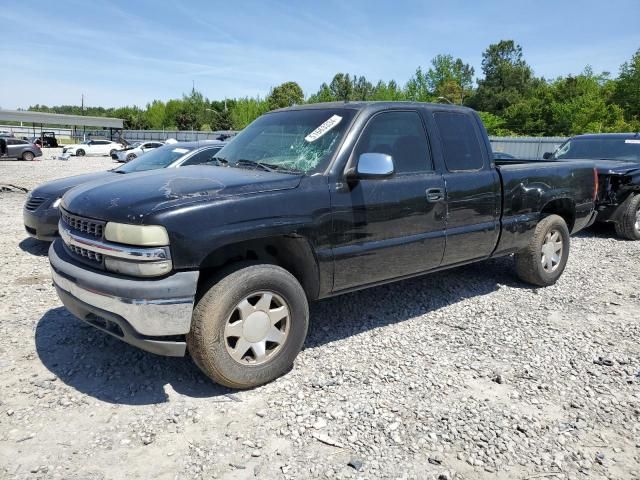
628	226
131	156
28	156
542	262
249	325
80	152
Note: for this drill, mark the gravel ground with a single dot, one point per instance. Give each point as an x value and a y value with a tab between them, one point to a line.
465	374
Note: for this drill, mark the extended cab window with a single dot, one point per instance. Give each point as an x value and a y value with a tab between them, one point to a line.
401	135
460	144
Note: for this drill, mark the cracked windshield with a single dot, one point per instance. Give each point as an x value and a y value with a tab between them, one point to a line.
301	141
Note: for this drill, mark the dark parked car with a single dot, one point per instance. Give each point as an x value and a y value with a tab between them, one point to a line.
617	158
41	212
47	140
503	156
22	149
305	203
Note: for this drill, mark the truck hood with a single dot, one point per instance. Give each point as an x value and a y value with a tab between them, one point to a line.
135	196
57	188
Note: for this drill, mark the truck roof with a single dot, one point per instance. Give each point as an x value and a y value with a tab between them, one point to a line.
374	106
609	135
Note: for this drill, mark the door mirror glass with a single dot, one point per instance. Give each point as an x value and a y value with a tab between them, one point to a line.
547	155
374	165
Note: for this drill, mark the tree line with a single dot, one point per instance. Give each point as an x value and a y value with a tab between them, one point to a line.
510	98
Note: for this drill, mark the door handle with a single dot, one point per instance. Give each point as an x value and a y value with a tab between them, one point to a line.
435	194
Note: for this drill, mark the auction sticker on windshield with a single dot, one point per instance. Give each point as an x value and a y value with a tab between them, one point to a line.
180	150
324	128
632	141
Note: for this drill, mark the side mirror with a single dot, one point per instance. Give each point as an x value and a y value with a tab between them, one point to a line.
547	155
372	166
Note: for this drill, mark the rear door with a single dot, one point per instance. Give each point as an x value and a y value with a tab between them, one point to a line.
15	147
388	228
472	188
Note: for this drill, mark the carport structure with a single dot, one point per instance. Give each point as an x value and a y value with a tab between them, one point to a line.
41	119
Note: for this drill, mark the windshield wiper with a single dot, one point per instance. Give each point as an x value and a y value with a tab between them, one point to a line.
219	160
267	167
253	163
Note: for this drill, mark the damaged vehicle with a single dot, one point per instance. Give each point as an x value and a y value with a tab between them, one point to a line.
305	203
134	150
617	158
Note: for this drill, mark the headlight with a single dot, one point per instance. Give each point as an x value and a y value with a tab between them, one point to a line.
139	235
137	269
56	204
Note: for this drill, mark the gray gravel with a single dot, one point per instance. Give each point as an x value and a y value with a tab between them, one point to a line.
466	374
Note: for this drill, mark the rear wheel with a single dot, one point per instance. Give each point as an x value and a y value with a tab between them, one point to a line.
80	152
542	262
28	156
249	325
628	226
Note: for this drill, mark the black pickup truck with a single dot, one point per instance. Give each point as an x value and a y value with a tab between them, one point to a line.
305	203
617	158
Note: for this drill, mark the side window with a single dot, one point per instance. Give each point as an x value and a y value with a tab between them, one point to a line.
201	157
401	135
460	144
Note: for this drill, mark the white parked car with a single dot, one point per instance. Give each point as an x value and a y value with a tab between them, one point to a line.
92	147
134	150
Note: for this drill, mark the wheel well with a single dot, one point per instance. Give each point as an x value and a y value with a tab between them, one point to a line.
563	207
293	253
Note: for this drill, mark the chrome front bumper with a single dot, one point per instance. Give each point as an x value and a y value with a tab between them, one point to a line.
141	308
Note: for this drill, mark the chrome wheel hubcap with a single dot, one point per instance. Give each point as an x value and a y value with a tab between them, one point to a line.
551	251
257	328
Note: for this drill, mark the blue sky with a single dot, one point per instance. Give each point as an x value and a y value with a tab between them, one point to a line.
130	52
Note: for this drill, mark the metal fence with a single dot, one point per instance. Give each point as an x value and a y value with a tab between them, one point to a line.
528	148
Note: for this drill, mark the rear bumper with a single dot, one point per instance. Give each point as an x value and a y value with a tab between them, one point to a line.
153	315
41	223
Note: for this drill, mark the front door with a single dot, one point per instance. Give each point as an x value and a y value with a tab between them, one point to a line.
389	228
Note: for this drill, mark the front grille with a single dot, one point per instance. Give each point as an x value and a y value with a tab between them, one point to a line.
86	254
34	202
83	225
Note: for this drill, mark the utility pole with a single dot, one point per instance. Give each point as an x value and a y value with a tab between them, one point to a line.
82	113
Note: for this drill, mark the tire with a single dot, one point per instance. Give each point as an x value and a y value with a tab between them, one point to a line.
536	267
628	226
130	157
80	152
237	301
112	151
28	156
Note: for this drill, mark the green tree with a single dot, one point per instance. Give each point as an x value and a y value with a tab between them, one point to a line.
285	95
627	88
155	114
507	78
246	110
362	89
341	87
450	78
417	88
324	94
